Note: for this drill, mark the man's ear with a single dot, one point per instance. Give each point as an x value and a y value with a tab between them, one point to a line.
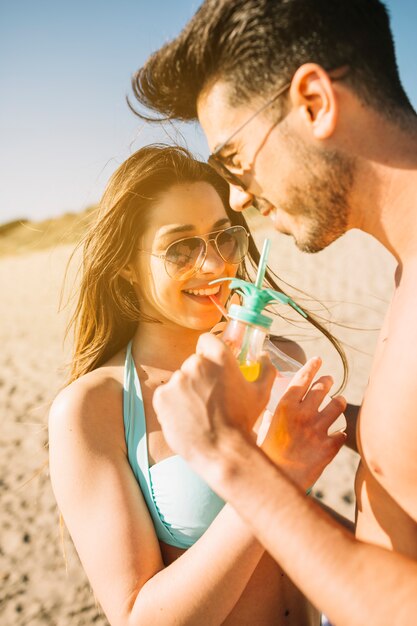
313	93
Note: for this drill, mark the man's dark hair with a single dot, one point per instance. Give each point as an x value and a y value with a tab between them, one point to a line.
257	45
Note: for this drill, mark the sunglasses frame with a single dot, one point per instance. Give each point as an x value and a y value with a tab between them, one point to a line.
215	160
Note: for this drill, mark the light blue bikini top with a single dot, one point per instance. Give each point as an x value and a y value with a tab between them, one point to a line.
181	504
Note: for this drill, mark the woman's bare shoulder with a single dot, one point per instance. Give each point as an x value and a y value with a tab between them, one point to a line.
95	396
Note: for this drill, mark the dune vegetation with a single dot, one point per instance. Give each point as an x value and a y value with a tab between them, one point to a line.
22	236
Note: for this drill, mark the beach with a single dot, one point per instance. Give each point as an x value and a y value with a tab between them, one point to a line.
349	284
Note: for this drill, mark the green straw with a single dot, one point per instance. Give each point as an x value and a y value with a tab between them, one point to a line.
262	264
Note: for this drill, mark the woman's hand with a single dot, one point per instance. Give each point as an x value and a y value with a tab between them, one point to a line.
297	439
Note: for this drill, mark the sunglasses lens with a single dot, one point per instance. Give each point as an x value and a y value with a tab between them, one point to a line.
233	244
183	257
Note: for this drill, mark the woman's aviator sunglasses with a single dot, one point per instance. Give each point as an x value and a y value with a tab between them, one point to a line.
185	257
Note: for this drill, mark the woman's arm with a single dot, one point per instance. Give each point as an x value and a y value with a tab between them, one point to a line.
113	532
204	584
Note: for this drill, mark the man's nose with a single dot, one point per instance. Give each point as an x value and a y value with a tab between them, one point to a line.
239	198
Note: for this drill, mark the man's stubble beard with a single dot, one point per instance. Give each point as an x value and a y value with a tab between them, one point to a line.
322	202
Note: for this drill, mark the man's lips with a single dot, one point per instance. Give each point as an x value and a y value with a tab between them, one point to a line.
263	206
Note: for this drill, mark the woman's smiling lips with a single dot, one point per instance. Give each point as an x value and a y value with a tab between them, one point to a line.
201	294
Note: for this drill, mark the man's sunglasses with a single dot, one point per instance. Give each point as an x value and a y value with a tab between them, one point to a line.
185	257
215	159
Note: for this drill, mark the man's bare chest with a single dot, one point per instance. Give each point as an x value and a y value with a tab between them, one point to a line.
379	519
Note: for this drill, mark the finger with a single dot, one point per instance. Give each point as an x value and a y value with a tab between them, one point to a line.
193	365
336	441
331	412
302	380
213	349
317	392
218	328
234	299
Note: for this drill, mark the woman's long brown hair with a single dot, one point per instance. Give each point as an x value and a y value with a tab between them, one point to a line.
107	310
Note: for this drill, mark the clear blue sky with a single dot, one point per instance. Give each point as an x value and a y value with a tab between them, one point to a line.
65	70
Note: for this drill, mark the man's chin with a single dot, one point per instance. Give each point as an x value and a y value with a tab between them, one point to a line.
316	243
309	247
277	223
308	237
305	241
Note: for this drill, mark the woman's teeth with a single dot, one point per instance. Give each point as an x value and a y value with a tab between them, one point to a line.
211	291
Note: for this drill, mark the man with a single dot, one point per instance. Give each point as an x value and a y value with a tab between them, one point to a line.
306	118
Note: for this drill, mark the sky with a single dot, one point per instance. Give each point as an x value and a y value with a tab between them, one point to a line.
65	71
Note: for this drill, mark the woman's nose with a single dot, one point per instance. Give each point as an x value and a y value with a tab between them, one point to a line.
213	263
239	198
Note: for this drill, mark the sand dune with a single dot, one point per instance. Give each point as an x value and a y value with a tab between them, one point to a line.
352	278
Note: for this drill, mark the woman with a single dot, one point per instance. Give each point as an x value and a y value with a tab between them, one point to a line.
158	546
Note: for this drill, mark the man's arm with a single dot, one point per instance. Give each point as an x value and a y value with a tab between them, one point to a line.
340	519
353	583
206	410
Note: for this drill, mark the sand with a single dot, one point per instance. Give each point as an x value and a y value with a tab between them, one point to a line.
353	278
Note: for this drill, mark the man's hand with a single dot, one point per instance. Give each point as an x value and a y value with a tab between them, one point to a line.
209	397
297	439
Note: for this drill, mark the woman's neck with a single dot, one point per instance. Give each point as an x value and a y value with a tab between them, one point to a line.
163	345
